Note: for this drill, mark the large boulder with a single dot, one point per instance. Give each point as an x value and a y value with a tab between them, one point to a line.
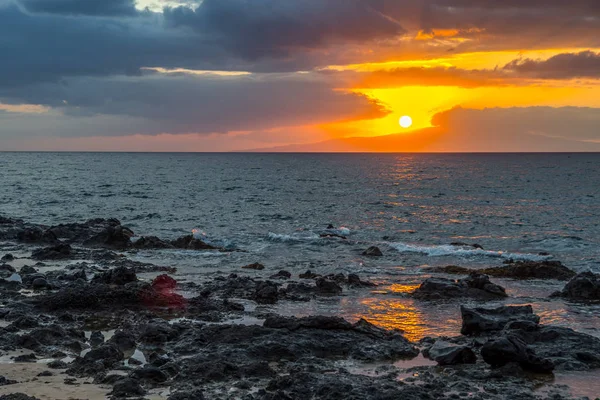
518	270
508	349
476	286
61	251
445	353
112	237
151	242
189	242
484	320
584	286
117	276
373	251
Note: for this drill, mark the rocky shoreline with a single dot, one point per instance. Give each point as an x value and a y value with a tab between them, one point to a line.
82	308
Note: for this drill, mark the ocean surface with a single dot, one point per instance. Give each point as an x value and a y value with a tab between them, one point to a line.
275	206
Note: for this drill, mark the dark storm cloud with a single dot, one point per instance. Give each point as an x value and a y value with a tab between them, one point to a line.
202	104
82	7
261	28
563	66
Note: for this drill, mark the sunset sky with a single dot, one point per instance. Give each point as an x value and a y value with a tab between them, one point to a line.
300	75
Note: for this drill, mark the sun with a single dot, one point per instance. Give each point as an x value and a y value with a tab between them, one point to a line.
406	121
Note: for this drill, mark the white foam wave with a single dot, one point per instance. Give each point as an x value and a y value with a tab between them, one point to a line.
448	250
297	237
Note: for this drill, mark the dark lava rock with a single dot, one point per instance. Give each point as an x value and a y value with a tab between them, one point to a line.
484	320
127	388
7	258
82	232
4	381
187	395
25	322
476	286
191	243
151	242
36	235
501	351
281	275
283	339
158	333
445	353
354	281
108	353
164	282
568	350
373	251
518	270
7	268
328	287
25	358
40	284
309	275
255	266
266	293
112	237
584	286
61	251
57	364
96	338
84	296
27	270
117	276
149	374
124	341
17	396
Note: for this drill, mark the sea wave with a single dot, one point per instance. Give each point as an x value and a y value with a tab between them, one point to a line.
293	238
449	250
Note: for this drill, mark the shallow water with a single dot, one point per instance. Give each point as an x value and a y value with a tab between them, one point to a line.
275	206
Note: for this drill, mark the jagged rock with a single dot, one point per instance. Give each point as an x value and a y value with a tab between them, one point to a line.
113	237
117	276
373	251
96	339
266	293
281	275
477	286
40	284
255	266
518	270
445	353
355	281
127	387
151	242
7	258
124	341
149	374
584	286
501	351
59	252
480	320
189	242
36	235
309	275
328	287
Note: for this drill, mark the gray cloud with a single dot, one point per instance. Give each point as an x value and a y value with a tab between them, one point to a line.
82	7
278	27
201	104
585	64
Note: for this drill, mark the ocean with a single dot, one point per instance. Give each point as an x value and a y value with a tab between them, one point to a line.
275	207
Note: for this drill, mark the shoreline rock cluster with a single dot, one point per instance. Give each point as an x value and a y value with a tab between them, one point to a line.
92	318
